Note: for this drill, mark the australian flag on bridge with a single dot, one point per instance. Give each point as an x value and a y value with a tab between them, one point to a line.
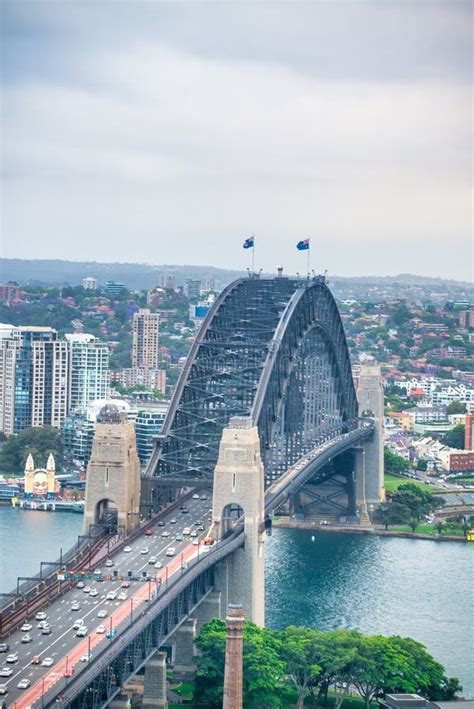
303	245
249	243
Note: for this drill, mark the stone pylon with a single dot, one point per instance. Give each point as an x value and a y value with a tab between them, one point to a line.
369	461
238	489
29	475
234	658
113	473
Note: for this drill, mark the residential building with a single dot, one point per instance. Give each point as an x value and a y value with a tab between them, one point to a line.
145	339
469	432
148	425
208	284
466	318
33	378
167	281
89	283
155	296
192	288
10	293
132	376
114	288
88	370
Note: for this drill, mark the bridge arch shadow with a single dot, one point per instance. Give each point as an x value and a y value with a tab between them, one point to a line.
230	514
106	512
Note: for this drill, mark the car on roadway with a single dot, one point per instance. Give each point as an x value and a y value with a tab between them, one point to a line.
86	657
195	496
200	527
26	627
42	624
193	533
109	563
171	551
41	615
80	584
186	532
36	660
102	614
111	596
111	634
152	560
3	689
185	511
178	537
148	532
145	550
26	638
125	584
23	683
100	630
165	534
4	647
122	596
46	630
12	658
127	549
173	521
158	565
78	624
81	632
196	542
161	523
75	606
94	592
203	497
87	589
6	672
48	662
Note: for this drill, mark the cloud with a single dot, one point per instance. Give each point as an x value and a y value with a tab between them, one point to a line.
171	149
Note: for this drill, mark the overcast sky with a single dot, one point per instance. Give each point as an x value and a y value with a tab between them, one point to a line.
167	132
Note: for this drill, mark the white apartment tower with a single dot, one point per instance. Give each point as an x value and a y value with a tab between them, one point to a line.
88	370
145	339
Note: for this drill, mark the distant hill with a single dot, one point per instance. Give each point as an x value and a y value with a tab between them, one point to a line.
142	275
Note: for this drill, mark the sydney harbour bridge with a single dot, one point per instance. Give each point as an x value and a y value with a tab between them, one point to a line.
265	414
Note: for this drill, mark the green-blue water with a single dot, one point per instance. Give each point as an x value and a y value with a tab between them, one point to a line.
421	589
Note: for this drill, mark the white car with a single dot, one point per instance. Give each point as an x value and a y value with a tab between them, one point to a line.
27	627
127	550
173	521
86	657
81	632
47	662
23	684
196	542
102	614
43	624
152	560
186	532
194	533
109	563
12	658
94	592
40	616
78	624
171	551
87	589
6	672
145	550
26	638
100	630
111	596
195	496
158	565
75	606
122	596
165	534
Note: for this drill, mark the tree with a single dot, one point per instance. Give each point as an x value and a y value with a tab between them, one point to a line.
418	501
422	464
394	463
302	654
392	513
455	437
40	442
456	407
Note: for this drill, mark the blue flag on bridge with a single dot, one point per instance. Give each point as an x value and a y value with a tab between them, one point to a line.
303	245
249	243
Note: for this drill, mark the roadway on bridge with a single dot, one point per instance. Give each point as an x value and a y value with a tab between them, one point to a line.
63	646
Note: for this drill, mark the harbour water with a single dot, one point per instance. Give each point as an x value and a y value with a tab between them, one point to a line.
417	588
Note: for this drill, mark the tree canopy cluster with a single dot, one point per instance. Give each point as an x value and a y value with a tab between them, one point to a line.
409	505
40	442
278	664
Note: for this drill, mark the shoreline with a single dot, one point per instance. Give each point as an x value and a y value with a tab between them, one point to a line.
286	523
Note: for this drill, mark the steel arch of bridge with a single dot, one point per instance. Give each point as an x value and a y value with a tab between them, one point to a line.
273	349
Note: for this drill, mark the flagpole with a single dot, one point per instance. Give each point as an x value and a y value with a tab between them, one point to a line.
253	256
309	251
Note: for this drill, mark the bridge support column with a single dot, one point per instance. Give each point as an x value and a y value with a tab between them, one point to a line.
113	474
371	400
296	508
184	665
238	489
209	608
361	502
154	686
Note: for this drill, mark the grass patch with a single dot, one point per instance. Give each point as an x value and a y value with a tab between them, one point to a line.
431	529
185	690
393	482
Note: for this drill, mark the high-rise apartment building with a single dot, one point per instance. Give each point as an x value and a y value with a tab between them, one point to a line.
89	283
145	339
192	288
33	378
88	369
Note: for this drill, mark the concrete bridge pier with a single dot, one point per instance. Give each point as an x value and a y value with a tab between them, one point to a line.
184	666
154	685
295	505
371	400
238	490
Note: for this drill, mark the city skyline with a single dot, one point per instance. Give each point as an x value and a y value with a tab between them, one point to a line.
163	129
